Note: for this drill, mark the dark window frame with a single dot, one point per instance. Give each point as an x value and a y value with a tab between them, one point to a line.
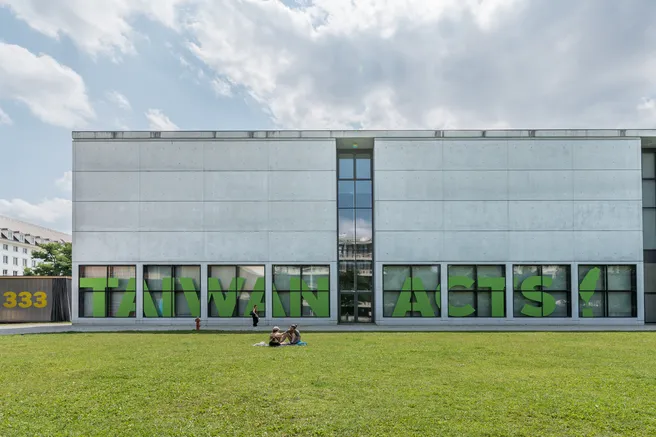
298	293
175	292
605	291
354	253
235	313
541	290
108	291
476	290
438	313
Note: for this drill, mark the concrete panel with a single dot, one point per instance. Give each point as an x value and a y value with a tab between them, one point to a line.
171	186
171	247
608	185
302	185
408	155
475	185
302	155
302	216
539	155
608	246
541	215
106	216
236	186
236	216
408	185
476	246
106	156
99	247
540	185
306	247
608	215
169	155
171	216
476	216
615	154
106	186
409	246
541	247
236	246
236	155
409	216
475	154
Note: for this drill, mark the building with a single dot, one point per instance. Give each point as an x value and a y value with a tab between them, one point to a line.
19	239
501	227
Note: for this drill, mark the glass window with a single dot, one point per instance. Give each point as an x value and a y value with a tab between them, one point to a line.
477	291
345	166
171	291
363	225
607	291
15	248
648	166
363	167
649	228
346	194
24	263
346	226
363	194
107	291
4	272
301	291
649	193
233	291
541	291
411	291
5	247
5	259
650	277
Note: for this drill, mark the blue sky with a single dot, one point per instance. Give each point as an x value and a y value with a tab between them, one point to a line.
267	64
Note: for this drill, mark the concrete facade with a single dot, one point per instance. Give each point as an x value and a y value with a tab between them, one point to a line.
443	198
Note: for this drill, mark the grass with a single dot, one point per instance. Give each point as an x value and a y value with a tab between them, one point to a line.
373	384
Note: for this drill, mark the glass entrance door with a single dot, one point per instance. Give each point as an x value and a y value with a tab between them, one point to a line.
355	237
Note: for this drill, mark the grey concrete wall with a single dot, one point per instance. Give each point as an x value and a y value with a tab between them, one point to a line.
508	200
204	201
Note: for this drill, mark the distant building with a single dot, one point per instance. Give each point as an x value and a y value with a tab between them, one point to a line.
19	240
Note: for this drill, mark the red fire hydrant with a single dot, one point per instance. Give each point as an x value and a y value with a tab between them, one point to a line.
197	323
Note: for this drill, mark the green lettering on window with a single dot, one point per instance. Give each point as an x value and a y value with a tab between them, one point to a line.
587	289
531	290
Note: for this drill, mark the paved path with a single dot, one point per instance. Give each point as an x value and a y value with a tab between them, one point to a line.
47	328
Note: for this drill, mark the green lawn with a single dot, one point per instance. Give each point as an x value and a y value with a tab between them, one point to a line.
396	384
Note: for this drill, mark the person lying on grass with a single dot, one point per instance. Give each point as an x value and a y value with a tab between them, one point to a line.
292	335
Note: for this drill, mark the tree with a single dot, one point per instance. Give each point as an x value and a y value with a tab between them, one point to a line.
56	260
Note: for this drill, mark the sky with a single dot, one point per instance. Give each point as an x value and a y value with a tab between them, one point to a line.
305	64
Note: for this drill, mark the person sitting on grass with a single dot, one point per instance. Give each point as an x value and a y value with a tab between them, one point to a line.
292	335
276	337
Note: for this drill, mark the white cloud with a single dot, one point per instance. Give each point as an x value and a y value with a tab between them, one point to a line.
53	92
158	121
222	87
55	213
4	118
397	63
429	64
96	27
119	100
65	183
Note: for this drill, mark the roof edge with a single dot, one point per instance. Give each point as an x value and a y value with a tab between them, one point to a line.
335	134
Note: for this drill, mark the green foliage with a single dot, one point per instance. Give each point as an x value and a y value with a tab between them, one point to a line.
351	384
56	260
